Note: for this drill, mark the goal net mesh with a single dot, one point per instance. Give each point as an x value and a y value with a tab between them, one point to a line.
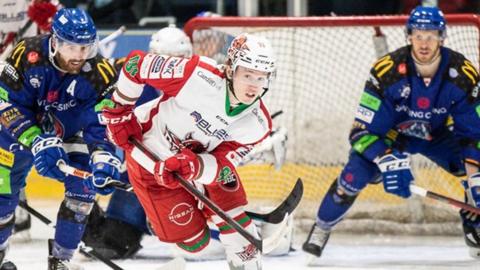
323	64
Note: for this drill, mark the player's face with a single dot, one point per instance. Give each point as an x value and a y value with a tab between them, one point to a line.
248	84
425	44
71	57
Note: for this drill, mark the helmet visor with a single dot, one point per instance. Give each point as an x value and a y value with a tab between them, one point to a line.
75	50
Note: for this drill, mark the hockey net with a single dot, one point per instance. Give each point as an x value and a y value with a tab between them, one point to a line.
323	63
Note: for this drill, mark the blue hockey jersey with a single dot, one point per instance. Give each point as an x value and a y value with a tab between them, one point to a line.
396	100
38	98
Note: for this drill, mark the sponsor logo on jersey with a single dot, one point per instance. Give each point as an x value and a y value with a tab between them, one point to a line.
453	73
420	114
56	105
157	66
249	252
405	91
11	72
179	70
168	68
416	128
148	59
227	179
402	68
52	96
235	156
370	101
32	57
131	67
10	116
4	105
364	114
6	158
207	129
209	80
423	103
181	214
35	81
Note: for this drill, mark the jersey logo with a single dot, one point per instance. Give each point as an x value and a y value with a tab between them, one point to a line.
469	70
383	65
132	65
71	88
105	69
18	52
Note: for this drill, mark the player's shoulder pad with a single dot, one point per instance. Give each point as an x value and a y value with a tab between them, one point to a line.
28	53
208	60
388	70
100	74
463	74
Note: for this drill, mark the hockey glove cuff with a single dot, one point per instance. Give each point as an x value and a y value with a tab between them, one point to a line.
186	164
121	125
105	167
47	153
396	173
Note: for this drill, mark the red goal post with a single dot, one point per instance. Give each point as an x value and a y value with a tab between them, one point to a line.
323	63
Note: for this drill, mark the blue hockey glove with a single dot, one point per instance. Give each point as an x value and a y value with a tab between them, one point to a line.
48	152
396	173
472	197
105	167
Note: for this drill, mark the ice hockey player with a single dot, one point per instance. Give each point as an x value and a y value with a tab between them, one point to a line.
53	89
403	110
117	232
14	18
198	130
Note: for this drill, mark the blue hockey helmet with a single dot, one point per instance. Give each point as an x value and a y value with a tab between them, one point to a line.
75	26
426	18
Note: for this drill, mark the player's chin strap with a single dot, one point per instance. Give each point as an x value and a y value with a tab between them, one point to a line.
51	55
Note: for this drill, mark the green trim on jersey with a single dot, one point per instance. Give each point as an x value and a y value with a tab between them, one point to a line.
237	110
3	94
26	138
364	142
105	103
370	101
5	186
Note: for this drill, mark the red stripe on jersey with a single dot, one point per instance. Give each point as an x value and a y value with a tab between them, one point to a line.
148	125
212	69
269	119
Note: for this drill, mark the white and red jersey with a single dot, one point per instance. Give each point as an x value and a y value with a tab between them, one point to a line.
13	16
192	112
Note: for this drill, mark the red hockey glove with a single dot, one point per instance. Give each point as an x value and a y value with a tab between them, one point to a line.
121	125
41	12
186	164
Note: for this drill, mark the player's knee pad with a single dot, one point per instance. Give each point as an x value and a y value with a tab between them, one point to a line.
74	210
197	243
241	254
341	195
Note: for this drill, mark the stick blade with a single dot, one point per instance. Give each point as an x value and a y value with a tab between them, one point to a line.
286	207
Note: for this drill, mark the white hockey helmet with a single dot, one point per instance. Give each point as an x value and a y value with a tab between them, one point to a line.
171	41
252	52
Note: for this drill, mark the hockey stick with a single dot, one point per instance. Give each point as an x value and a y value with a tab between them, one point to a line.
84	175
275	216
113	36
441	198
140	152
174	264
286	207
82	247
